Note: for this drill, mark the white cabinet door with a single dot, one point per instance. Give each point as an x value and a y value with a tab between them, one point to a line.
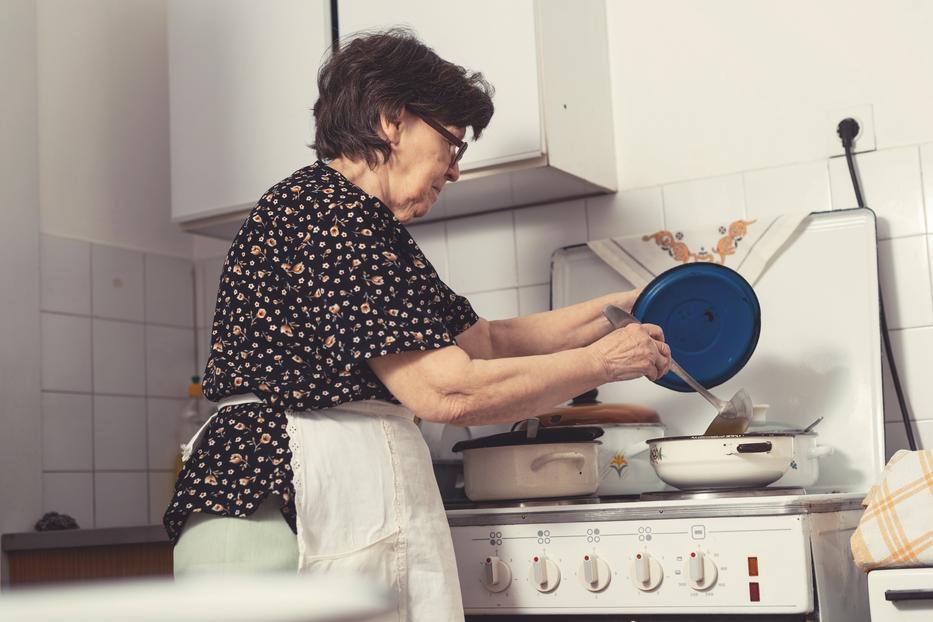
494	37
242	80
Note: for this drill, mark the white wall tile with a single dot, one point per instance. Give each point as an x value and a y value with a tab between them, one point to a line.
163	417
481	251
65	270
66	353
432	239
161	488
169	292
913	353
799	188
539	231
905	280
67	432
631	212
534	299
895	437
696	203
119	433
926	173
119	358
890	182
169	361
204	349
487	193
209	271
117	283
498	305
70	493
121	499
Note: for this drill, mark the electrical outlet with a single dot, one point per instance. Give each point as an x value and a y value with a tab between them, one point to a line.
864	141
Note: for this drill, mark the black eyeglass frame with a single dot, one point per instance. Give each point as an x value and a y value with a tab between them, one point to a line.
461	145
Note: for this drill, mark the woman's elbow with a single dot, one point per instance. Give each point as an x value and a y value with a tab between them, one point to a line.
448	408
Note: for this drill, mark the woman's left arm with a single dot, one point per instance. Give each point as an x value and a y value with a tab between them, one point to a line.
575	326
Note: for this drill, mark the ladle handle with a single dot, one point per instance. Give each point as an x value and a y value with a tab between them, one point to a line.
620	317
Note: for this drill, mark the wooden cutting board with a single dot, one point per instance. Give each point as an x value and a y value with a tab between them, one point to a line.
590	414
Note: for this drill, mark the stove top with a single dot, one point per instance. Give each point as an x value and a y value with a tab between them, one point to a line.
666	495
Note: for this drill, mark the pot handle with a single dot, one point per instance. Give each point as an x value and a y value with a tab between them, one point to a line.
754	448
575	456
821	450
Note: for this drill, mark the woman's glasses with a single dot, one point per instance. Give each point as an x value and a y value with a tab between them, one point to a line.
457	147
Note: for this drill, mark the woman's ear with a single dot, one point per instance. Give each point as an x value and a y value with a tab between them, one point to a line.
390	126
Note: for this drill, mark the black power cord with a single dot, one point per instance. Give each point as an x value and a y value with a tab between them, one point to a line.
847	130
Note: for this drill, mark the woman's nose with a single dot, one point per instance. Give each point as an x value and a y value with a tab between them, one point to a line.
453	172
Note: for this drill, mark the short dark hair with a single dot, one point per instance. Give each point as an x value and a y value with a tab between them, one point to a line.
383	73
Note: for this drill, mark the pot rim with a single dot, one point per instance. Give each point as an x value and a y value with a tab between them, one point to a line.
661	439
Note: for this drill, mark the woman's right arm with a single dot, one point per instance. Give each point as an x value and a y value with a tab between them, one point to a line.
446	385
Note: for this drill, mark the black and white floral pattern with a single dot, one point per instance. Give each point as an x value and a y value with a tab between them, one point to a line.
320	278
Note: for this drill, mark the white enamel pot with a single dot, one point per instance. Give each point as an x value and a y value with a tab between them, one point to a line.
716	462
804	469
558	463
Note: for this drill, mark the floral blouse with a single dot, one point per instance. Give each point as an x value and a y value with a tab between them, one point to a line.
320	278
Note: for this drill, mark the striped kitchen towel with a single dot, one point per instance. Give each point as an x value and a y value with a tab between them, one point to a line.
896	530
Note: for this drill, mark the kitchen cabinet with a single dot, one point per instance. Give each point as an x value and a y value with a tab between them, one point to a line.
242	81
551	137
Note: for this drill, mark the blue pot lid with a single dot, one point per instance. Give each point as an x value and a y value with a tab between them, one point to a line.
711	320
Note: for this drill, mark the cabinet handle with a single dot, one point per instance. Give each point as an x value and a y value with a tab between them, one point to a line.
899	595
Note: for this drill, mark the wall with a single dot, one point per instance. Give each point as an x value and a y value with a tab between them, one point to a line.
117	356
721	112
20	458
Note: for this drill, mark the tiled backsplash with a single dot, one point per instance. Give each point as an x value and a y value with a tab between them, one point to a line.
118	352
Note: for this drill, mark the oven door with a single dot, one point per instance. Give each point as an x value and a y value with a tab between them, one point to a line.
901	595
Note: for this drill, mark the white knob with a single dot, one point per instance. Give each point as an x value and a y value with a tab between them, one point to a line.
701	571
647	573
497	576
544	573
594	573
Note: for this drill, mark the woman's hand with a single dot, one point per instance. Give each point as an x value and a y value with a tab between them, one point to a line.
626	300
633	351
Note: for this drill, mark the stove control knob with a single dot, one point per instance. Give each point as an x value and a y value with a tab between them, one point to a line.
497	576
646	572
544	574
701	571
594	573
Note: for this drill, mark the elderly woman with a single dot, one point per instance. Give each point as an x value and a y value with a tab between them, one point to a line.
333	335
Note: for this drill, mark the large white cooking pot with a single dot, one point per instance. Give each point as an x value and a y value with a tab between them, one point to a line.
716	462
562	462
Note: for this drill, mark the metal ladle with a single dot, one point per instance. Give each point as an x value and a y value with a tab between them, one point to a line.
734	415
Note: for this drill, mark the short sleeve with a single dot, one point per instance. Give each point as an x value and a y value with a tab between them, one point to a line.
372	298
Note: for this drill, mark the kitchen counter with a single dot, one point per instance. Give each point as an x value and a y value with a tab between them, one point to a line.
70	538
85	554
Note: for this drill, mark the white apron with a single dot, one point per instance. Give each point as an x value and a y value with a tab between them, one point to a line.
367	503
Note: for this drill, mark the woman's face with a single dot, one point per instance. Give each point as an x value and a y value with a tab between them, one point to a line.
419	167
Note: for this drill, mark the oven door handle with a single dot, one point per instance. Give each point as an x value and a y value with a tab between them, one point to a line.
895	596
